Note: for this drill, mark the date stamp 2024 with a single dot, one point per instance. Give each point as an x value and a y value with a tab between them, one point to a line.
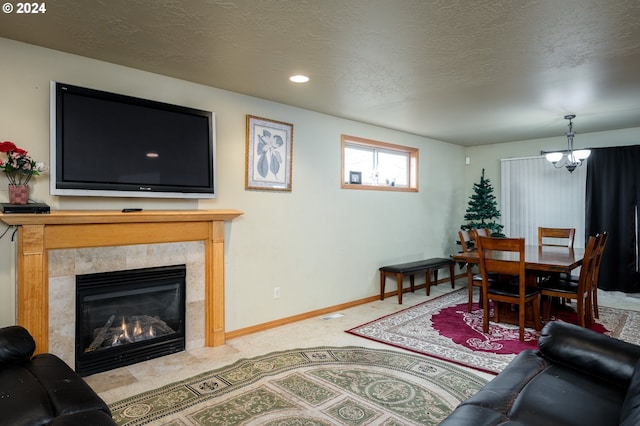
24	8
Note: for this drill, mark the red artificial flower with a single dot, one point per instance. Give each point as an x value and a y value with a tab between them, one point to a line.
18	166
8	146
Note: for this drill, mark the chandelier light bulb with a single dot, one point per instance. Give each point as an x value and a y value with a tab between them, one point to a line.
554	157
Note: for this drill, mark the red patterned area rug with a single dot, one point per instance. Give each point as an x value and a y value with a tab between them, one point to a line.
443	329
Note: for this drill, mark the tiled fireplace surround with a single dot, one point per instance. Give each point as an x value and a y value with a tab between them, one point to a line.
66	243
65	264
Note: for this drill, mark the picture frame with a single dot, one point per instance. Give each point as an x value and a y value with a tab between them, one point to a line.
269	154
355	178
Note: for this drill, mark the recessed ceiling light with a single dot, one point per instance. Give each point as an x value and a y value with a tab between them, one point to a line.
299	78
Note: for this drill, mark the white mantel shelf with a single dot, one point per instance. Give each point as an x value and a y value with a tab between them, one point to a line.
38	233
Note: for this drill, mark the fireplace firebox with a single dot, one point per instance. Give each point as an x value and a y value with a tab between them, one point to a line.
125	317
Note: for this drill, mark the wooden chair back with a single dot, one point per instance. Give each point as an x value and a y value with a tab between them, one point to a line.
599	251
474	279
481	232
550	236
505	256
507	263
465	237
470	236
586	269
580	291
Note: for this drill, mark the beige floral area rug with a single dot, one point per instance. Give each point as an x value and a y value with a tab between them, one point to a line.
443	328
316	386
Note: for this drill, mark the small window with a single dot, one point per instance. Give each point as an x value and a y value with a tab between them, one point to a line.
368	164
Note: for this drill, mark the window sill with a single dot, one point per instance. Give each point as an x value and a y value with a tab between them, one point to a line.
378	187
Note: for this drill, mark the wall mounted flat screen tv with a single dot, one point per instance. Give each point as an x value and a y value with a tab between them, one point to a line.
107	144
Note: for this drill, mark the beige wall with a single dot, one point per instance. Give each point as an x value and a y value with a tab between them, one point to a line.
320	244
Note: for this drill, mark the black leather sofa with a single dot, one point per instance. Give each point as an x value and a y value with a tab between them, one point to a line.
576	377
43	390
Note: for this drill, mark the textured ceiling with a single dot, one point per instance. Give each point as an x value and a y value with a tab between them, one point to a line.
466	72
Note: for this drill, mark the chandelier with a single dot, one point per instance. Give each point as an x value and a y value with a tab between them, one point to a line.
569	158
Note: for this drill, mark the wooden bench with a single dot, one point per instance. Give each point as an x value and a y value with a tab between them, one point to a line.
412	268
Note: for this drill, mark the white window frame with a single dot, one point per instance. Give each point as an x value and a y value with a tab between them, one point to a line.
377	146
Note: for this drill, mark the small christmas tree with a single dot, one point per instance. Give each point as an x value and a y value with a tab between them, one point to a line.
482	211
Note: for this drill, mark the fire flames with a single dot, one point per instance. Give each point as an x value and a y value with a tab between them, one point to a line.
132	329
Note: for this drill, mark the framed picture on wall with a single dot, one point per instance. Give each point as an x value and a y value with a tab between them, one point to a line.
269	157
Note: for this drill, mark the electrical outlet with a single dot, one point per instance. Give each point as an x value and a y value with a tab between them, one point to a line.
276	292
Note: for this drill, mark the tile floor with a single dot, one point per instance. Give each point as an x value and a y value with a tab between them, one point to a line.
117	384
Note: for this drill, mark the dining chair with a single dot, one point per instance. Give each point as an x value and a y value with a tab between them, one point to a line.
555	237
570	289
480	232
465	239
475	280
596	272
514	290
599	252
551	236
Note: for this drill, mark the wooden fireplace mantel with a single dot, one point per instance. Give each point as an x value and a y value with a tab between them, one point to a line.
38	233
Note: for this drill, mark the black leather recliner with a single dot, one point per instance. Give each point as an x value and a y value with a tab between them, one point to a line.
43	390
576	377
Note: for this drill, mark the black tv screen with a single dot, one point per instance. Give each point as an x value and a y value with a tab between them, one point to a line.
107	144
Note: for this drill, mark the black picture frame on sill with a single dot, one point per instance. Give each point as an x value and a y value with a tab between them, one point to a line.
355	178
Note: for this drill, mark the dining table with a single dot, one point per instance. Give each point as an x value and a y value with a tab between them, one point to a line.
550	259
537	260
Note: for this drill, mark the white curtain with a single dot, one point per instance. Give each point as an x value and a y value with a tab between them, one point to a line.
534	193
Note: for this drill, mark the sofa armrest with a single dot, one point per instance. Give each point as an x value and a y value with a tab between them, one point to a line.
588	351
16	345
68	392
491	404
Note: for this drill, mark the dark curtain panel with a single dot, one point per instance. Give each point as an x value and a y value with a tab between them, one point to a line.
612	199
